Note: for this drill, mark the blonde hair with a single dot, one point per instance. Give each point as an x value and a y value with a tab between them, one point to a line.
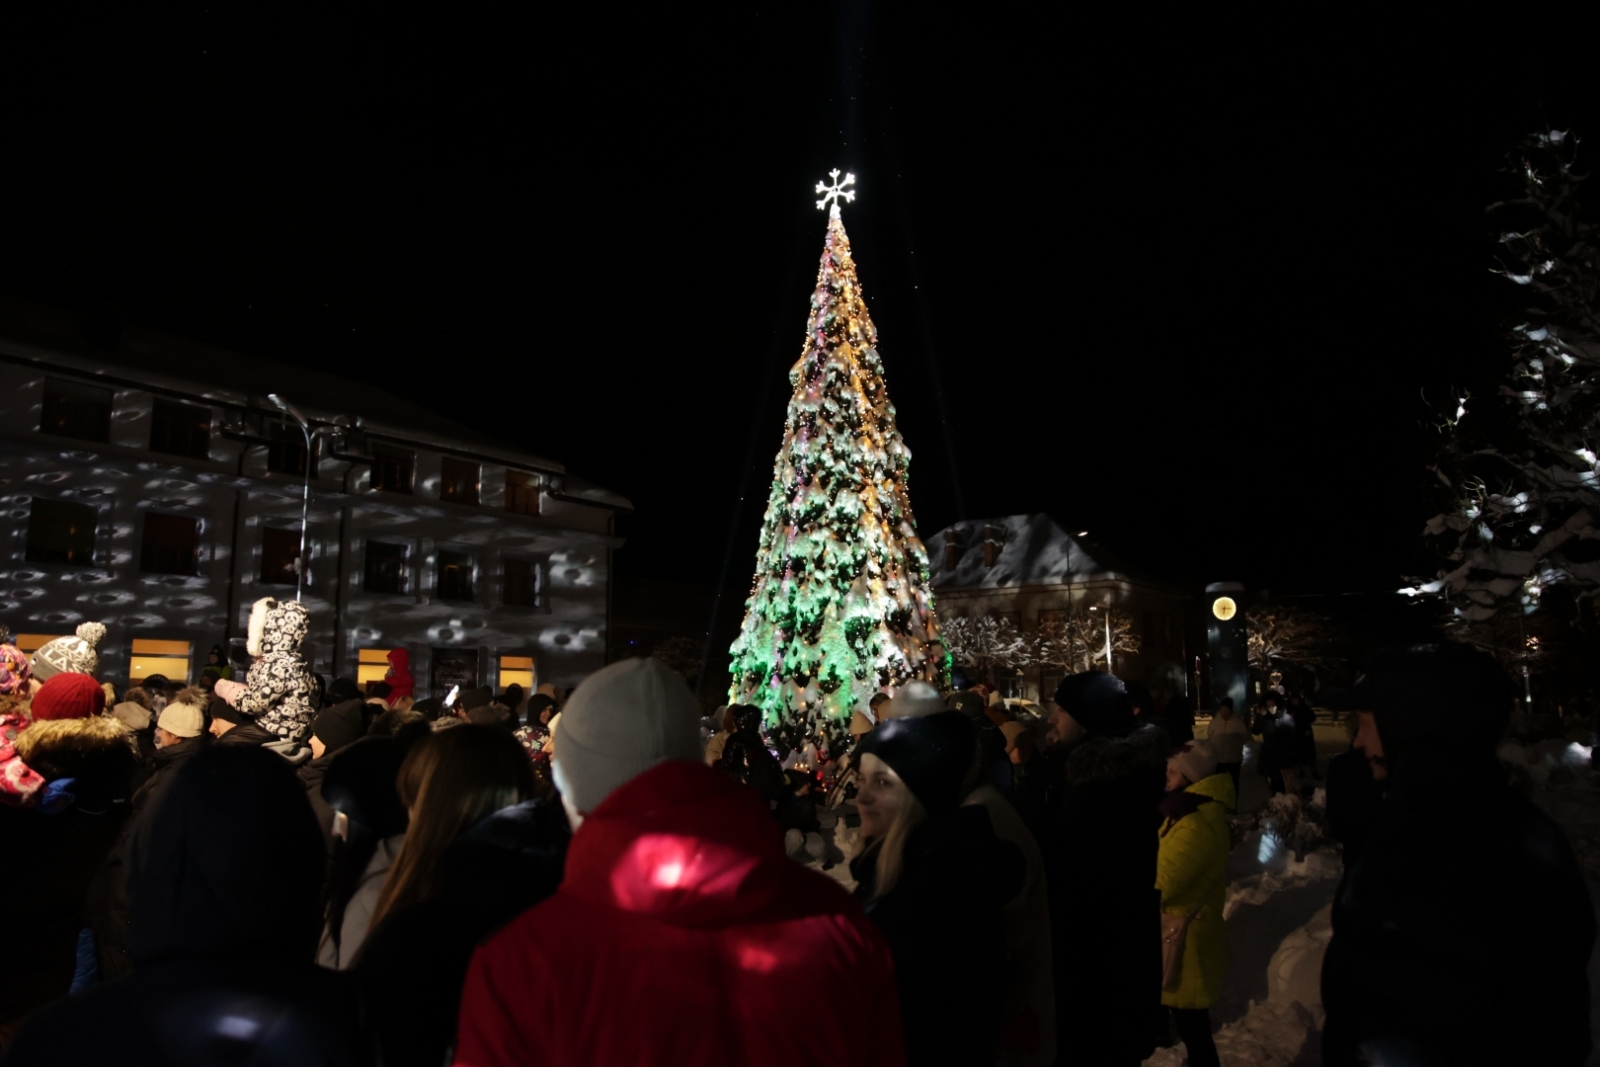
891	859
404	704
449	781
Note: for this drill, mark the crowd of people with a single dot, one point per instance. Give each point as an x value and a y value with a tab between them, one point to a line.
268	869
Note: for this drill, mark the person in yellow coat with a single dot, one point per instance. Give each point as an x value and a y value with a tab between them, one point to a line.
1192	874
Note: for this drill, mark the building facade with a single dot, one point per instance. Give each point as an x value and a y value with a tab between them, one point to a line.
151	483
1027	567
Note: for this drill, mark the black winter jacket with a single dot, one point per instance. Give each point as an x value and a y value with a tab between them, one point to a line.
1462	935
942	922
224	880
1100	861
413	965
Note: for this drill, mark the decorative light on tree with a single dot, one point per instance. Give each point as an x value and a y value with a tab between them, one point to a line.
840	606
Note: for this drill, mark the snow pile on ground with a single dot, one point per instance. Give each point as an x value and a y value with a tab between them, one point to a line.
1547	764
1258	889
1298	825
1285	1029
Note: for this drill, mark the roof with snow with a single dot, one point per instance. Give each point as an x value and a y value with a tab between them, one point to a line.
1034	550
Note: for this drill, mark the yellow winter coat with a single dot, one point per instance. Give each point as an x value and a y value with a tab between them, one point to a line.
1192	873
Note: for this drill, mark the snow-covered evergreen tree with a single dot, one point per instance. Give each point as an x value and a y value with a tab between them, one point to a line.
1523	483
840	606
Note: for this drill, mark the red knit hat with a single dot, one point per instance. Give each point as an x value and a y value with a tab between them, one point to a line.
68	695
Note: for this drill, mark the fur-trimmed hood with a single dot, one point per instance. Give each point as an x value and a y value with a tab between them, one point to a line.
98	749
277	627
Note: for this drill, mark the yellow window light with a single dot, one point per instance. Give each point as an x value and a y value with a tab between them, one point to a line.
371	665
516	670
170	659
33	642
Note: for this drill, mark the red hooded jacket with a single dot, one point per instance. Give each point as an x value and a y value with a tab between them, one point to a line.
401	684
682	934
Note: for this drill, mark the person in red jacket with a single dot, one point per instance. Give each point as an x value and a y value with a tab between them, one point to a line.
681	932
401	684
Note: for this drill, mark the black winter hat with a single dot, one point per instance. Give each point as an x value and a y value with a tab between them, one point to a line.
429	708
218	708
360	781
536	705
343	689
341	725
931	755
476	698
1451	694
1098	702
968	703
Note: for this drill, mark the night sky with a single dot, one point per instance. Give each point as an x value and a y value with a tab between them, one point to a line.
1184	293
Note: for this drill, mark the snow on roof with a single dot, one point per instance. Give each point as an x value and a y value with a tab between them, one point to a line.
1034	550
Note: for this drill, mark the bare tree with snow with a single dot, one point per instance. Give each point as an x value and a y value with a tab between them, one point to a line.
1076	640
1288	636
984	642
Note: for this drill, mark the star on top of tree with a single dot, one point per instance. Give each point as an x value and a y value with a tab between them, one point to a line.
832	193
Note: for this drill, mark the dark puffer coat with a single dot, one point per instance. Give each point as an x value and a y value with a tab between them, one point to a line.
1462	935
1100	860
55	848
492	873
942	922
225	884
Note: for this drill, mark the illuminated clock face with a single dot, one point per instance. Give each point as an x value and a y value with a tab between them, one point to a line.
1224	608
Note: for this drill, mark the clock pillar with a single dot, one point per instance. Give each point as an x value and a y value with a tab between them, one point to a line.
1227	643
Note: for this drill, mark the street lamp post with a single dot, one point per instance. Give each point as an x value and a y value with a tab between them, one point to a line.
305	497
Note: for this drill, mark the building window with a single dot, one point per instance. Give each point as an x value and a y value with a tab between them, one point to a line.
170	659
392	469
279	549
371	665
171	544
453	667
75	409
455	575
31	643
458	481
523	584
517	670
286	449
61	532
385	568
522	493
180	430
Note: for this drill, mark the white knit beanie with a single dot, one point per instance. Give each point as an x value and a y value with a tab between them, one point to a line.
914	701
1196	760
623	720
73	655
182	720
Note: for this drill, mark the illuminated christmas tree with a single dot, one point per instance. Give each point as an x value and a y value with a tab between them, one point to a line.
840	607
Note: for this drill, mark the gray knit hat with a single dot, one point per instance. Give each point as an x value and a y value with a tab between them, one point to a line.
623	720
70	655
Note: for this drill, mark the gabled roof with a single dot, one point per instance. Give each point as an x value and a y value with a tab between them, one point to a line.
1034	550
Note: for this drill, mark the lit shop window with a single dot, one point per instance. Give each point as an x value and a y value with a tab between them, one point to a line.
60	531
170	659
31	643
371	665
517	670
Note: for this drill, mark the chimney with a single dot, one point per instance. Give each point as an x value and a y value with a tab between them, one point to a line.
952	550
993	538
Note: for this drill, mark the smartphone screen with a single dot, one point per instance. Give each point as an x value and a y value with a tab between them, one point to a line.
455	691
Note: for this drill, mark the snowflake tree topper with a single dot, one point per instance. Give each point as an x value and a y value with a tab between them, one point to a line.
832	193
